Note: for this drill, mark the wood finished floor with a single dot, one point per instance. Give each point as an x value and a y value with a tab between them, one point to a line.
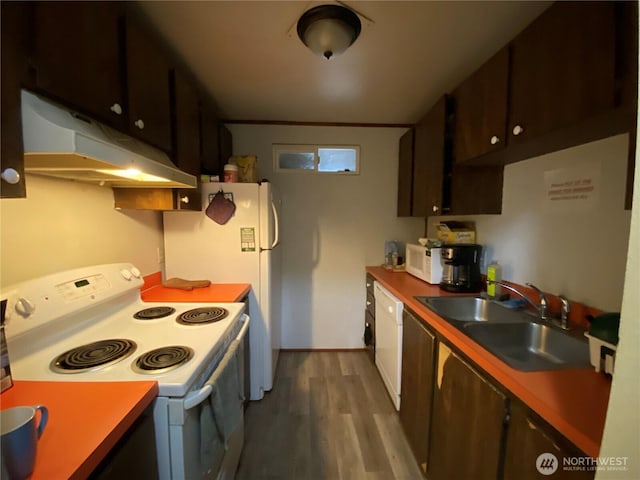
328	416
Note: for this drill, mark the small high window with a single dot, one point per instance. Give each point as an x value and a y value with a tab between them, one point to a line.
317	158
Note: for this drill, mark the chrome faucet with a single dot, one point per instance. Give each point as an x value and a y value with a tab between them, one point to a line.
541	307
564	314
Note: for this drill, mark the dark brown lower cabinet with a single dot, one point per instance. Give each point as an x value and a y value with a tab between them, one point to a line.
467	424
418	362
369	335
528	438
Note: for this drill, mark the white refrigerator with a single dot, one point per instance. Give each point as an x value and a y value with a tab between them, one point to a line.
244	250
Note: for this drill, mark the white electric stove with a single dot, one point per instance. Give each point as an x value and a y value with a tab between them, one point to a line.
90	324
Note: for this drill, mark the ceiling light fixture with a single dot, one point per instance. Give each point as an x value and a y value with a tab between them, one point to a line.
328	30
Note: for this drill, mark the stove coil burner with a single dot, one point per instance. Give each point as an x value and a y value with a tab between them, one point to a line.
202	315
153	313
162	359
92	355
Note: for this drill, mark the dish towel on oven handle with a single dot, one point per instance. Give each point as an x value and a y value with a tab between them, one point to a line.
221	414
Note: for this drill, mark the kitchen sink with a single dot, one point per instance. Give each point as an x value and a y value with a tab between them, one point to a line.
531	346
465	309
511	335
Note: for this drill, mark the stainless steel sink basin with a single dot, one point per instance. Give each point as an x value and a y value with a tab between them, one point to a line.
511	335
471	309
531	346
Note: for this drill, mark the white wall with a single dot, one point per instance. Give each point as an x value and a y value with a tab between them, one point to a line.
64	224
332	227
571	248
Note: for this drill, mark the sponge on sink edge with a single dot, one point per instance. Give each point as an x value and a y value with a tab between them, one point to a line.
514	303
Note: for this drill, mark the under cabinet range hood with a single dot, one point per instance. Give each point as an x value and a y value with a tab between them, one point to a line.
61	143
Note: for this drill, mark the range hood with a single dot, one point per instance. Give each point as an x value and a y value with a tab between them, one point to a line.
61	143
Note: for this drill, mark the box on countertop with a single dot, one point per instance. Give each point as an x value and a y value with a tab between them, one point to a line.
456	232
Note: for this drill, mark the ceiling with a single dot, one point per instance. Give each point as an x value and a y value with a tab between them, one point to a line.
247	55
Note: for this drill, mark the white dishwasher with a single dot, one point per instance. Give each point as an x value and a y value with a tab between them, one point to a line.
389	340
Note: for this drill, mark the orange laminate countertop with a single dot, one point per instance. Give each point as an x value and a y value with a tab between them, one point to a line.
86	420
216	292
573	401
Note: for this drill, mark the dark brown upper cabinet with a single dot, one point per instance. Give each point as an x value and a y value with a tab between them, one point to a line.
186	124
98	58
185	145
559	83
405	174
15	75
76	57
569	78
432	162
215	141
226	143
437	186
89	56
476	190
186	136
210	161
562	68
148	74
481	110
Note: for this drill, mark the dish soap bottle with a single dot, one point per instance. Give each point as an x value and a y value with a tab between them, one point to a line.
494	274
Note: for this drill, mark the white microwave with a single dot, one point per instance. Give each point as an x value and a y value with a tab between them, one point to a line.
424	263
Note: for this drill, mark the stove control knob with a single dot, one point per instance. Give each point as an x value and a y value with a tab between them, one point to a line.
24	307
136	272
126	274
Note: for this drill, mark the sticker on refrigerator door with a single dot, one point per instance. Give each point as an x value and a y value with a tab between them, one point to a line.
248	239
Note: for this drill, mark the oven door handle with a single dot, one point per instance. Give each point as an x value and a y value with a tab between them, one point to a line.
194	399
243	329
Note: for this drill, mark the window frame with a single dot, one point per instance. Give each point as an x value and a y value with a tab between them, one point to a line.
279	148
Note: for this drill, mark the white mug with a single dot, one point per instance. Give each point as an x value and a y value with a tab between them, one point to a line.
20	434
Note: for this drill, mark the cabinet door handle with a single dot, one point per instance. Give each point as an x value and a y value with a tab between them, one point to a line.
494	140
11	176
139	123
435	208
517	130
116	108
368	303
184	199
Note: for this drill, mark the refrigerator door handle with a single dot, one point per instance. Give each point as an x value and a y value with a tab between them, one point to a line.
276	226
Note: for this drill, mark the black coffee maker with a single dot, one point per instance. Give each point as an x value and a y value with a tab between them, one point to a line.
461	269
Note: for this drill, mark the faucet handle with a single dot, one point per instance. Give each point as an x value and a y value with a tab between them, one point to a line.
566	308
543	303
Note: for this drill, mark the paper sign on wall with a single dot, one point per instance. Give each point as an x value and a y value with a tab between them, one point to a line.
248	239
573	189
